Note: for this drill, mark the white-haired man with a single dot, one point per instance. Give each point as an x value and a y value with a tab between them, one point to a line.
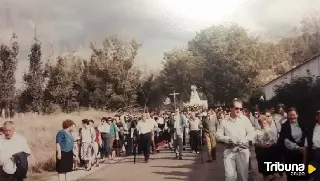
14	151
237	133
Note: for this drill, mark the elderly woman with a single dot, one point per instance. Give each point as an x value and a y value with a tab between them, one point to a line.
265	144
87	134
292	138
64	146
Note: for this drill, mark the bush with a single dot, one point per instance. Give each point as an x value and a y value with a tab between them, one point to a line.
302	93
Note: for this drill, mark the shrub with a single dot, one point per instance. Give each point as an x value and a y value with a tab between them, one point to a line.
302	93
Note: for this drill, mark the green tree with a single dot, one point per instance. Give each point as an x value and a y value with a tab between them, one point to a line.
63	78
112	69
34	81
181	70
230	59
8	66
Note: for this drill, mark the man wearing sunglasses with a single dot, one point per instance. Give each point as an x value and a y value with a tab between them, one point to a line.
237	133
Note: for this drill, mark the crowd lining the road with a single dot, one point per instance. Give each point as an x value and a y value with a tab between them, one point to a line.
276	135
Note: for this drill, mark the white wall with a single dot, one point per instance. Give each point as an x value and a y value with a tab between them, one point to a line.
312	65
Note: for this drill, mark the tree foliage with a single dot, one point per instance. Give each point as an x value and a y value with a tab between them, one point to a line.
31	99
223	61
302	93
8	66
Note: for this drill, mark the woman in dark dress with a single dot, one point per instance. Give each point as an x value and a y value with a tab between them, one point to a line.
64	145
292	140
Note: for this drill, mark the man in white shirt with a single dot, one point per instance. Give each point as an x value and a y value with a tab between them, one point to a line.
145	127
237	132
155	127
12	144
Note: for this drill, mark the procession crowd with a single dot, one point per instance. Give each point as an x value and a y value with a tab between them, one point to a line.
276	135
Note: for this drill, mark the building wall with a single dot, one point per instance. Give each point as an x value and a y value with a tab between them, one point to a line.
312	65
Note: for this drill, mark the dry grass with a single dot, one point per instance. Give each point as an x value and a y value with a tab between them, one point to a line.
40	132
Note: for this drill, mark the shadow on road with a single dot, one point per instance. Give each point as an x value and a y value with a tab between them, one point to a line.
195	170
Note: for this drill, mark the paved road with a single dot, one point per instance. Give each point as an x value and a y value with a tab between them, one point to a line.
163	166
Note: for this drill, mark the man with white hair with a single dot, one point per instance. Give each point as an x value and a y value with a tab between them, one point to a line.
14	150
179	124
237	133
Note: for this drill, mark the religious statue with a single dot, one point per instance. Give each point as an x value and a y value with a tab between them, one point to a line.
194	99
167	101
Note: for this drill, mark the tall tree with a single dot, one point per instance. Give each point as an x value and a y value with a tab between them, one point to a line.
8	66
63	78
230	59
116	77
180	70
34	80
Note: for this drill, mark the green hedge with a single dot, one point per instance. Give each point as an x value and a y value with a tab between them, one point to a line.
302	93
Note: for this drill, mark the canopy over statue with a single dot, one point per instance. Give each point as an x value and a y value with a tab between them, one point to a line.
195	99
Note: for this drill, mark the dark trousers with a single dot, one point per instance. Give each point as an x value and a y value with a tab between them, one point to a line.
184	139
195	140
105	145
315	161
145	140
129	144
178	144
4	176
293	157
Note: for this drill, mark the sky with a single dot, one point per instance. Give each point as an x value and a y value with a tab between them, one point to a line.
161	25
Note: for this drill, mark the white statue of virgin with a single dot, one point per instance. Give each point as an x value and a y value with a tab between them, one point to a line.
194	99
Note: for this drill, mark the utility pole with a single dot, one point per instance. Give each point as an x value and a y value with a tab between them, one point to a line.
174	98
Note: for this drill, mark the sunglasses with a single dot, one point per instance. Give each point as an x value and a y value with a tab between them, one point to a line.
238	108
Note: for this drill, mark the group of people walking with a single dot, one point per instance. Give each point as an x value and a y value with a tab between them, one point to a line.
276	135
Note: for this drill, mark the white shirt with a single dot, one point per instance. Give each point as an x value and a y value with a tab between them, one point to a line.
276	127
281	119
154	122
237	130
296	133
104	128
315	138
145	126
160	120
87	135
194	124
9	147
